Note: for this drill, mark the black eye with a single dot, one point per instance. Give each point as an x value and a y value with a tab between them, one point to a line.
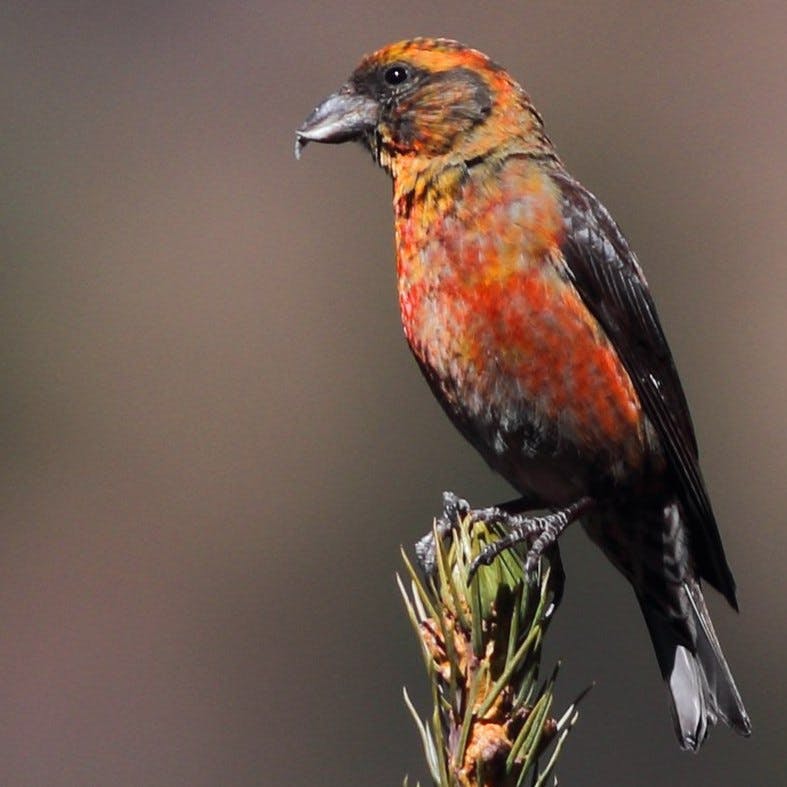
395	75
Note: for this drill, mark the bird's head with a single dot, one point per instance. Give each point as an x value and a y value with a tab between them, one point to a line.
422	99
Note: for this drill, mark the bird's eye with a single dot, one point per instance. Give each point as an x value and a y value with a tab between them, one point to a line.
395	75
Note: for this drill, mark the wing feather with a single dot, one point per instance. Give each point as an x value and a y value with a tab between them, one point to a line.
612	285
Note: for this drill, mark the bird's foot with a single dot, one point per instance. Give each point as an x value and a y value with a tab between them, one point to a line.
454	510
539	531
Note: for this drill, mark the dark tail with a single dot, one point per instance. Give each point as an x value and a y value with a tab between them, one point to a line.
695	671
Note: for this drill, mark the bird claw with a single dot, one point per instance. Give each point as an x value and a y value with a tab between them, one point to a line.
455	509
520	528
541	532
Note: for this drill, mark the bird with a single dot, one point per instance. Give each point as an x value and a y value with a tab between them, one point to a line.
532	322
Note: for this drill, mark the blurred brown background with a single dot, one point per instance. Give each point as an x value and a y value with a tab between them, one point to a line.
214	439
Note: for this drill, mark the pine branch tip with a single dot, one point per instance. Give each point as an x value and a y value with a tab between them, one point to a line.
482	641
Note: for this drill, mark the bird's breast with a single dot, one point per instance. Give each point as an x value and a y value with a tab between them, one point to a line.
507	343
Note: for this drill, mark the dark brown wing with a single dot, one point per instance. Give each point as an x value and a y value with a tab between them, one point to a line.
611	284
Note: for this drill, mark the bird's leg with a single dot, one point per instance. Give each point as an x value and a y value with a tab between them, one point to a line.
541	531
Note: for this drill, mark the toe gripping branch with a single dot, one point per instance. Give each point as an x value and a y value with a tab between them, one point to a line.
540	531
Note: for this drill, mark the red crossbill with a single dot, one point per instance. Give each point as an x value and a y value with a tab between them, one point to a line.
532	322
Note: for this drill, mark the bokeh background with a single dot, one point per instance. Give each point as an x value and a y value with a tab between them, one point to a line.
214	439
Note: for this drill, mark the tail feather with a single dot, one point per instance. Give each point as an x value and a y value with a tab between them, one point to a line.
701	685
652	547
717	673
